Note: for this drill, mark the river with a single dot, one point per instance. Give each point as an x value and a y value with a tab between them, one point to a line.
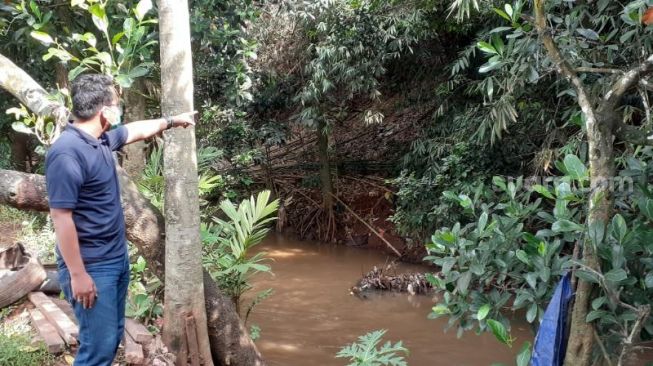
311	313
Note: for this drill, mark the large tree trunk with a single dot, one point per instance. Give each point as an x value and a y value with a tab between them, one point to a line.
184	289
134	154
230	342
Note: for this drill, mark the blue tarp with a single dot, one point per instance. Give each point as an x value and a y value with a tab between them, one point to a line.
551	338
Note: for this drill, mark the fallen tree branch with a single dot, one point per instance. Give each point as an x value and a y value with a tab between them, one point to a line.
367	225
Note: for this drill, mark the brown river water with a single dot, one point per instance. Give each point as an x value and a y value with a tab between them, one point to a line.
311	313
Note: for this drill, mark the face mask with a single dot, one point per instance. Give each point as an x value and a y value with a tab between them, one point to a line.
117	116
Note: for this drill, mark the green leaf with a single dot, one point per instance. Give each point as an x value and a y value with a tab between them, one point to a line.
22	128
595	314
499	331
483	312
486	47
588	33
499	182
482	221
490	66
531	314
564	226
616	275
575	168
619	227
648	281
142	8
523	256
587	276
462	284
99	16
441	309
42	37
524	355
597	232
502	14
598	302
646	207
543	191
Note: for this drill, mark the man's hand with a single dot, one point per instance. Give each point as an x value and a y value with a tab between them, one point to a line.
184	120
84	290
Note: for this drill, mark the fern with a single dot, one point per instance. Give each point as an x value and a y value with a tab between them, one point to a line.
226	245
366	352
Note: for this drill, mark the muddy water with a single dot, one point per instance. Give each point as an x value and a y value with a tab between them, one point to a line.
311	314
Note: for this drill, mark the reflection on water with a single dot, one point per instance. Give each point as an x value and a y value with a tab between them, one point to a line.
311	314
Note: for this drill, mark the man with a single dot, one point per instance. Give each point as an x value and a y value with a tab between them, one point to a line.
84	198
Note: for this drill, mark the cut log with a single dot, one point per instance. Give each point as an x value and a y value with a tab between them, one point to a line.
65	307
133	351
137	331
65	327
47	332
20	273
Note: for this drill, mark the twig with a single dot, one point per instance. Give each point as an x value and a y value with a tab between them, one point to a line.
599	70
606	356
643	313
367	225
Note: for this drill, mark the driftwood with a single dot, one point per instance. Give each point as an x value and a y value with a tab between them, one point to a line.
378	279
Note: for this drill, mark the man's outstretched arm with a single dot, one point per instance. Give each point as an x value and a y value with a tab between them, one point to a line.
140	130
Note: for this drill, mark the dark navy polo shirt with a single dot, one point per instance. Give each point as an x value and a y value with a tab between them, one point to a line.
81	175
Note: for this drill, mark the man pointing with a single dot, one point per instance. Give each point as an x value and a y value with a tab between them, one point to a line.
84	198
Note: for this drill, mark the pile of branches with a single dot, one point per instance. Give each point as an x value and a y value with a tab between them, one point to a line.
377	279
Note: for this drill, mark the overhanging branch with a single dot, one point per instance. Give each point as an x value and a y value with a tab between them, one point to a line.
30	93
633	135
627	81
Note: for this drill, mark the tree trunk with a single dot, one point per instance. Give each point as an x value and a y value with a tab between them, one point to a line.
184	289
599	137
325	168
134	154
20	151
230	342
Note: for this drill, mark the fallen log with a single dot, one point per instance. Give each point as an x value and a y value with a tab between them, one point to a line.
20	273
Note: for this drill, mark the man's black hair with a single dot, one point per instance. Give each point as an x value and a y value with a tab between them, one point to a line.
91	92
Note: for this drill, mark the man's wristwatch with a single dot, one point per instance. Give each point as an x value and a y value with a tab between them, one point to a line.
169	122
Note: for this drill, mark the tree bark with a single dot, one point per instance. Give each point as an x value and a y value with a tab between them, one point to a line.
230	342
134	154
184	290
20	151
17	82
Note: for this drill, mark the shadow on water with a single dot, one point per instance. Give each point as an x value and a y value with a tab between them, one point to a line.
311	314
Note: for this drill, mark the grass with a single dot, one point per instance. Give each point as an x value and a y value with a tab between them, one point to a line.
16	348
34	230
